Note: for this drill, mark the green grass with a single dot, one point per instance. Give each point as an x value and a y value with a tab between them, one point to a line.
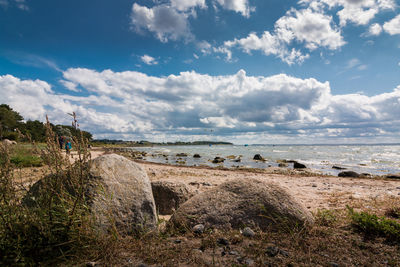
372	225
26	155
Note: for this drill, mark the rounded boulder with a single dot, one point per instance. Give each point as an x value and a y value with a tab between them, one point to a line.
121	190
168	196
243	202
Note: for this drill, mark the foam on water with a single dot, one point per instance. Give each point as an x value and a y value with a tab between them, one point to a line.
375	159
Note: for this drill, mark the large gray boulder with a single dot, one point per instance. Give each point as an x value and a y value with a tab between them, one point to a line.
168	195
117	193
125	194
243	202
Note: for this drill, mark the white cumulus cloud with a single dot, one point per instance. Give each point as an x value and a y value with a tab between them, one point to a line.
184	5
133	105
239	6
375	29
359	12
393	26
308	27
164	21
149	60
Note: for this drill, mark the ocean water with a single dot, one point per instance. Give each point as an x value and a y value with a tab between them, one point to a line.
372	159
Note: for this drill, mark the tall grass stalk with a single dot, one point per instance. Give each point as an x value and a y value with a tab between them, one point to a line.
51	222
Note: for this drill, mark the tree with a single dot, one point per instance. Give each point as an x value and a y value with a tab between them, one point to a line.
36	130
9	121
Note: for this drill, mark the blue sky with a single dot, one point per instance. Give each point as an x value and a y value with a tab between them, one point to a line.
307	71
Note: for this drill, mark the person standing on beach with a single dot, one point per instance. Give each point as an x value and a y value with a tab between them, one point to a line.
61	141
68	146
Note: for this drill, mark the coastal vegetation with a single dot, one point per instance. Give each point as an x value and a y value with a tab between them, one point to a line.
143	143
13	127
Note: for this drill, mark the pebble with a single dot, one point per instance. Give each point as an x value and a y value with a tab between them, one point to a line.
197	251
91	264
178	241
233	252
245	261
223	242
272	251
248	262
284	253
142	265
198	229
314	185
398	187
333	264
247	232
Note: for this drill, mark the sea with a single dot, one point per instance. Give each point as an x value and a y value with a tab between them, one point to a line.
382	159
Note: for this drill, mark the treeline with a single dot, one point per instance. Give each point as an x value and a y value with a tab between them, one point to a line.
147	143
11	122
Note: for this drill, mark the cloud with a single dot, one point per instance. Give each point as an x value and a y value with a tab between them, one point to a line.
164	21
312	29
359	12
184	5
21	4
149	60
393	26
309	27
184	106
4	3
204	47
352	63
374	30
239	6
32	60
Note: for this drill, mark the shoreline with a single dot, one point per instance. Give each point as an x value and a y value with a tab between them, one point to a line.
315	191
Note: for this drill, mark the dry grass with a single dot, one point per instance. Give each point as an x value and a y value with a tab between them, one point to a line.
332	240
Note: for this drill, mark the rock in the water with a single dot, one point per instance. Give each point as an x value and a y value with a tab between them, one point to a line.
168	196
238	159
218	160
348	174
241	202
393	176
258	157
197	156
297	165
181	155
338	168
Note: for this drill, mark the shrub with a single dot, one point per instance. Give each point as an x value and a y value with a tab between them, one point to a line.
55	223
372	225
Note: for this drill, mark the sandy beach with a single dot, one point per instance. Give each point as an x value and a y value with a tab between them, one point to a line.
314	191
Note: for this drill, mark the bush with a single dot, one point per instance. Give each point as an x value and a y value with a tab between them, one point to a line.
55	223
26	161
372	225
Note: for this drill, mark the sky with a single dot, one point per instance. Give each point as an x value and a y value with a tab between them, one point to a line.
244	71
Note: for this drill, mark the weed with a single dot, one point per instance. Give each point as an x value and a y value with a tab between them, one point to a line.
325	217
51	222
372	225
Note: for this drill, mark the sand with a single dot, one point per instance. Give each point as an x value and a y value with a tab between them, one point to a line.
314	191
